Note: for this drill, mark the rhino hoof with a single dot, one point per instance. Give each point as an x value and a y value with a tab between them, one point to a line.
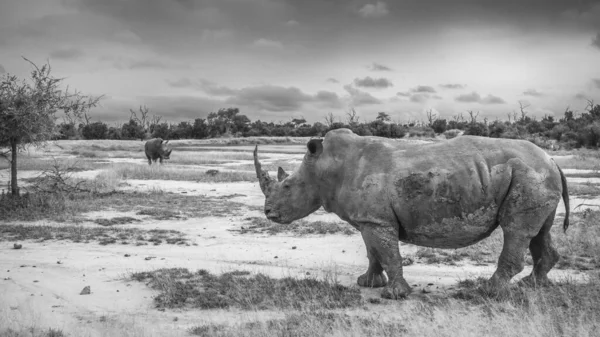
372	281
396	292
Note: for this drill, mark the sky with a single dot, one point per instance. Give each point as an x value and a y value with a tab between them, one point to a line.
281	59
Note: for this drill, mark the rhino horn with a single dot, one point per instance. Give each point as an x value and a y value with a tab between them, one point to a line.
263	176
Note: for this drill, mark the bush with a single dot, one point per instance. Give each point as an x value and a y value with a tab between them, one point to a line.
439	125
477	129
96	130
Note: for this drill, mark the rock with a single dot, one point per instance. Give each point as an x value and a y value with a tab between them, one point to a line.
276	257
35	281
58	262
175	319
127	255
17	246
426	290
148	258
86	291
293	247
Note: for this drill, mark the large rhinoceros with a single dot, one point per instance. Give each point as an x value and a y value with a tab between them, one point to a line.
155	149
449	194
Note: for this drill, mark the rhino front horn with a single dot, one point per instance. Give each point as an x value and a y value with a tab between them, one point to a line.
263	176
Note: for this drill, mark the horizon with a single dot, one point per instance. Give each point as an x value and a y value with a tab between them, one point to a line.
278	60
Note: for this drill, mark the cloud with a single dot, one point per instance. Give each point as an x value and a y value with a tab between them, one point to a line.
328	98
423	88
403	94
2	70
215	35
180	83
66	54
491	99
419	98
379	67
266	43
147	64
332	80
581	96
437	97
595	81
533	92
453	86
292	23
373	11
360	97
278	99
212	88
369	82
596	41
468	98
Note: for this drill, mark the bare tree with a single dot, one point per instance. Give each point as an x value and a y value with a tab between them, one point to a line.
329	119
142	119
458	118
351	117
473	116
431	117
522	107
590	105
86	118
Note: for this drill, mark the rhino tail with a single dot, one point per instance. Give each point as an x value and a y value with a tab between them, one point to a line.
565	196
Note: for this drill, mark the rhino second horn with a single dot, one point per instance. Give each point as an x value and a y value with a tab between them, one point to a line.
263	176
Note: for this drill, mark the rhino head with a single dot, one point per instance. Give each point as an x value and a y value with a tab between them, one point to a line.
164	150
293	196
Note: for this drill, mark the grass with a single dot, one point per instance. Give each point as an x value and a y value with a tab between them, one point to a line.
156	172
50	332
156	204
181	288
582	159
585	189
299	227
102	235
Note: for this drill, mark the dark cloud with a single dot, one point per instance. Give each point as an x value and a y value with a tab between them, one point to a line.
468	98
180	83
379	67
596	41
437	97
275	98
369	82
403	93
212	88
328	98
66	54
491	99
2	70
147	64
453	86
419	98
332	80
533	93
581	96
595	81
423	88
360	97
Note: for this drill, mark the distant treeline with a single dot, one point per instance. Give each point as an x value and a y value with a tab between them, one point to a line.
571	131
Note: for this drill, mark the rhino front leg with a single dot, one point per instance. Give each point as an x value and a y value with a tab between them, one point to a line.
384	254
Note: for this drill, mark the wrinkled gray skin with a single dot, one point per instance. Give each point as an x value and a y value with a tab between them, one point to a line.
449	194
155	149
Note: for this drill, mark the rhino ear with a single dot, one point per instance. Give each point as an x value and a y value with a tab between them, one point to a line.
281	174
315	146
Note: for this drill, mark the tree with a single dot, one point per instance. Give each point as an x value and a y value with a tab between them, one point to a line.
96	130
383	117
28	111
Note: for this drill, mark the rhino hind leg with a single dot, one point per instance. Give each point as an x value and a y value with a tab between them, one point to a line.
544	255
524	219
374	277
384	254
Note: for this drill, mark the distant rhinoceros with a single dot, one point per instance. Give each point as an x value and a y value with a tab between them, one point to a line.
155	149
449	194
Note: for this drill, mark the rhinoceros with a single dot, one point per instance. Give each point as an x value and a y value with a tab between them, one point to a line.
156	149
449	194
